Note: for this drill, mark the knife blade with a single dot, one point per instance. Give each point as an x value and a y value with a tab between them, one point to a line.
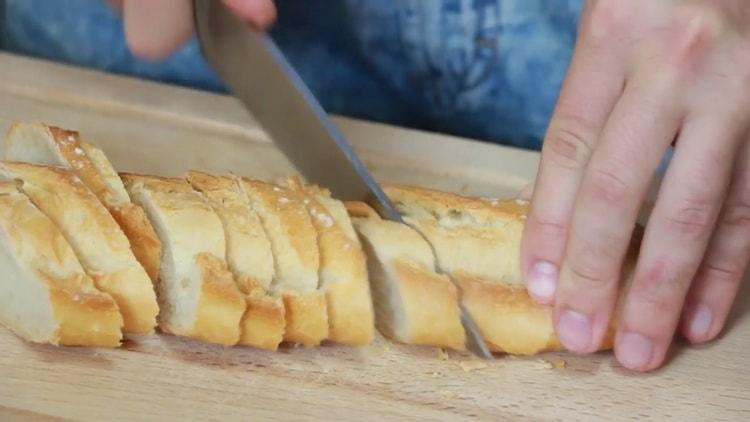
257	73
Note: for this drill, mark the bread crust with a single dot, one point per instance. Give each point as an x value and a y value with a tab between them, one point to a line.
414	304
343	269
131	218
495	296
84	315
249	258
194	236
65	148
296	258
480	236
93	234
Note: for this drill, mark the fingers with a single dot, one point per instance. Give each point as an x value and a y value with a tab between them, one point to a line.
258	13
676	238
155	28
590	91
723	268
640	128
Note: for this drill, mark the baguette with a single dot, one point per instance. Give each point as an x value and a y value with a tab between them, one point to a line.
248	254
100	245
413	304
197	293
296	260
477	242
41	144
45	295
343	268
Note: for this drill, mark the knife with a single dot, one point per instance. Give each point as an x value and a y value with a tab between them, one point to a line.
257	73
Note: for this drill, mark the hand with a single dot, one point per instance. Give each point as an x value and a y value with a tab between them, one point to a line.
644	74
155	28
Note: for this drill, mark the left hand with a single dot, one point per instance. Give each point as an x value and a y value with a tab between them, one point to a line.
644	74
156	28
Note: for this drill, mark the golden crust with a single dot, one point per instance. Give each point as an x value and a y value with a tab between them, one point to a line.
431	306
264	321
131	218
510	321
477	236
221	305
296	258
142	236
248	256
86	319
84	315
343	269
306	318
196	240
413	303
301	257
93	234
65	148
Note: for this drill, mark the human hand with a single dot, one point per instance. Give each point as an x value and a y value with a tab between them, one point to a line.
155	28
644	74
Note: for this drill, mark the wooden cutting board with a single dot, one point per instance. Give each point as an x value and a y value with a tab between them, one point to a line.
166	130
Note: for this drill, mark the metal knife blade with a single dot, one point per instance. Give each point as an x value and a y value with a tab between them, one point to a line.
258	74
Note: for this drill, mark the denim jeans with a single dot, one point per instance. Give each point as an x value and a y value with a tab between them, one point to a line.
486	69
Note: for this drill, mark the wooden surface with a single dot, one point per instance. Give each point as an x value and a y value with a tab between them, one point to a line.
166	130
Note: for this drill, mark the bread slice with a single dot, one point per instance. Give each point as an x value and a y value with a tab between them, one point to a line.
37	143
343	268
45	295
197	293
413	304
249	256
296	260
100	245
477	242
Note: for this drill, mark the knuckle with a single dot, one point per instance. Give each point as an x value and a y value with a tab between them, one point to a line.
567	144
607	19
727	272
549	229
606	185
737	211
693	217
694	30
586	276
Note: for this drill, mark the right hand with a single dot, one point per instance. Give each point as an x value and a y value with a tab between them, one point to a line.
156	28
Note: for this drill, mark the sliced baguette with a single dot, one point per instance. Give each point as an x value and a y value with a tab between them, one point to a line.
413	304
45	295
249	256
296	260
197	293
100	245
343	268
477	241
41	144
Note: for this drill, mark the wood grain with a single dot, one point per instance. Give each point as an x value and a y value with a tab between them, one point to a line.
166	130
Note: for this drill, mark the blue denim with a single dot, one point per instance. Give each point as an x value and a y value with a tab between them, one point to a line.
486	69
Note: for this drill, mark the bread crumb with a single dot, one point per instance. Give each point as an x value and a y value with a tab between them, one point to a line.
559	363
70	139
283	200
471	365
78	151
442	354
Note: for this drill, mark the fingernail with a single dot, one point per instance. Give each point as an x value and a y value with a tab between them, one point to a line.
700	322
542	280
574	330
634	350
